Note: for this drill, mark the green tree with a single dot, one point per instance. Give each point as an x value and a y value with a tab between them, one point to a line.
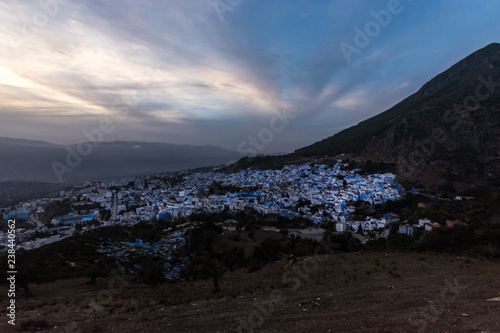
98	269
154	273
24	275
234	257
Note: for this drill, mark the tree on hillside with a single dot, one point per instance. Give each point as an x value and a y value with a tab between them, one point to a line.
200	239
234	257
153	273
98	269
24	275
215	275
105	214
268	251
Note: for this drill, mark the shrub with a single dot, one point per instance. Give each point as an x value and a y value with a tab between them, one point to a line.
34	325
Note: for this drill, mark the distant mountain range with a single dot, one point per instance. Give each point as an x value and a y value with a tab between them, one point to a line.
26	160
447	134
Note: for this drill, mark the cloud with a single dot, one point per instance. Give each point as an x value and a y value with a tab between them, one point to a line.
183	76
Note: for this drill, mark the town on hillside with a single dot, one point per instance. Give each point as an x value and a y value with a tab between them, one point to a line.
318	194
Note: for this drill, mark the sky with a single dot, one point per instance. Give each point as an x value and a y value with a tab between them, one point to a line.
272	76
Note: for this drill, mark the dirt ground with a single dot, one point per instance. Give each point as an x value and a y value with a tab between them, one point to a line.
336	293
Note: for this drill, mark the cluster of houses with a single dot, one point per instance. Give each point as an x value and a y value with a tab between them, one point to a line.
427	225
319	193
316	192
369	224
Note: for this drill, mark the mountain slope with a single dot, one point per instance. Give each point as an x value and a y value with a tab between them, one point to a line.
28	160
445	133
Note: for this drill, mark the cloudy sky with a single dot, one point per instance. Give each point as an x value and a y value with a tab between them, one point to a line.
218	72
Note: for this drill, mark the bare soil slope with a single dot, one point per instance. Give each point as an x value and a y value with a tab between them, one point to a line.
335	293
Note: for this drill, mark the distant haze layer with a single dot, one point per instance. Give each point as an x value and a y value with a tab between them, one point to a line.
41	161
